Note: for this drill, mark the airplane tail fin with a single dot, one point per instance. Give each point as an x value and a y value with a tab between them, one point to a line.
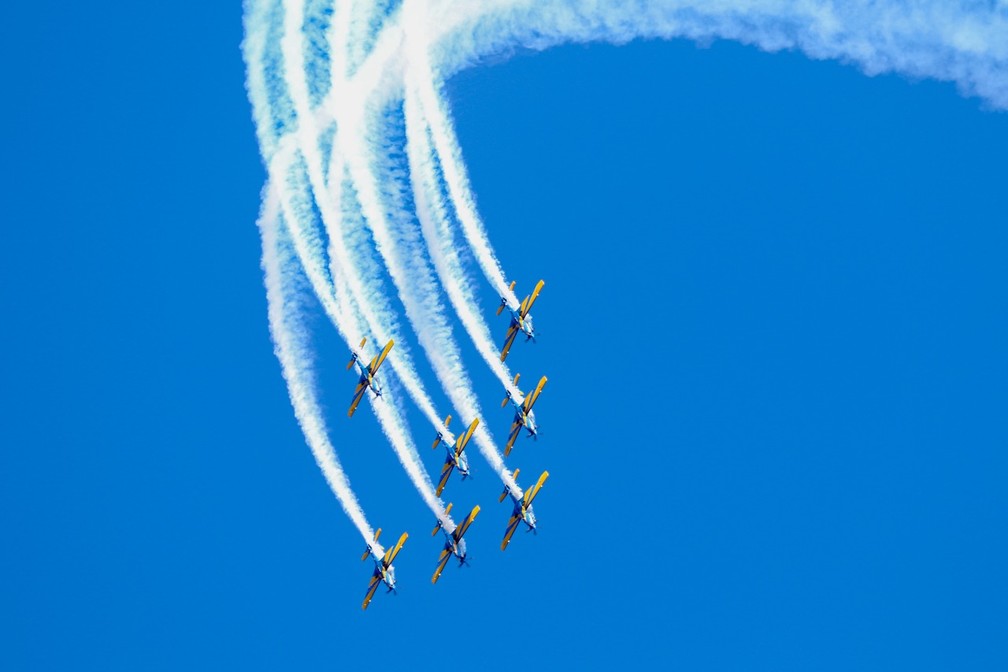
437	525
503	303
506	488
367	551
447	421
353	357
508	397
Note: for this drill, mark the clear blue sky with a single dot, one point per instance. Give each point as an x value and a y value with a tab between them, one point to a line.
774	326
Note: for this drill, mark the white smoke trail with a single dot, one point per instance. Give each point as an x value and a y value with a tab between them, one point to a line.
374	308
293	351
421	78
437	341
409	273
430	207
296	208
402	251
961	41
308	245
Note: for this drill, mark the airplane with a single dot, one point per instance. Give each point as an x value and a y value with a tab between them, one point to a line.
522	512
384	572
520	319
523	414
454	545
455	458
366	374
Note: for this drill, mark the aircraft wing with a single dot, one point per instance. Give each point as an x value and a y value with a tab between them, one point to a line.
442	561
532	398
464	525
465	439
357	396
511	527
391	554
372	587
512	332
530	494
526	305
446	472
377	361
515	430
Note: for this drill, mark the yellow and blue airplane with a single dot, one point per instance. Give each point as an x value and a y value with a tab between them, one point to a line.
455	459
384	572
523	413
454	545
520	319
367	374
522	511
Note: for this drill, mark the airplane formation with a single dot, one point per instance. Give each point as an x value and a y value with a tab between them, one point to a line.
455	459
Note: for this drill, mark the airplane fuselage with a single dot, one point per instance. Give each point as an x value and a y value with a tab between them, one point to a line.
529	517
527	420
525	324
367	378
462	464
457	549
387	575
525	512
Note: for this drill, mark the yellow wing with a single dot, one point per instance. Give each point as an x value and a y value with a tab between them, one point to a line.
463	440
511	527
442	561
377	361
375	580
532	398
357	396
390	556
464	525
515	430
446	472
526	305
530	494
512	332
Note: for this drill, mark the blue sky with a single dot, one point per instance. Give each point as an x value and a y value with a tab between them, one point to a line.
774	329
